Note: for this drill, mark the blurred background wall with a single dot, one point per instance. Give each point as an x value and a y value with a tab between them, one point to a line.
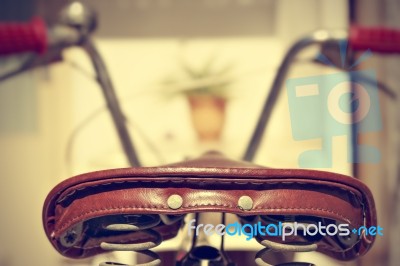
384	178
54	125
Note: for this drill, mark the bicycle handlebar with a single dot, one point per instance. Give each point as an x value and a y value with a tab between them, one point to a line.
380	40
32	36
377	39
18	37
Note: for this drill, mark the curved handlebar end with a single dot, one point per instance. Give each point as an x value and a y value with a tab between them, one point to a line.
377	39
18	37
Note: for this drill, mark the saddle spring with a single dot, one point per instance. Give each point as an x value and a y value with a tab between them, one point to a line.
276	247
144	224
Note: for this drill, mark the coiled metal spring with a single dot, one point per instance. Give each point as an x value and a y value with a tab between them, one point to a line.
280	247
273	246
145	223
142	223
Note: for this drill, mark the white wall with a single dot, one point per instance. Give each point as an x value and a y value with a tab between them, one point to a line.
30	162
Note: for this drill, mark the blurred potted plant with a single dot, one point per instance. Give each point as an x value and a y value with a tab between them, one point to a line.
206	91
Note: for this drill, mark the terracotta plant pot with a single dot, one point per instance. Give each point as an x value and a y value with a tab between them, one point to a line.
208	116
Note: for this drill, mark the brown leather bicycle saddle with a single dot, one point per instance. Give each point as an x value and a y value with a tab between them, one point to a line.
77	211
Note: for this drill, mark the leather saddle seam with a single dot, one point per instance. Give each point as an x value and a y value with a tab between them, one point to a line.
70	194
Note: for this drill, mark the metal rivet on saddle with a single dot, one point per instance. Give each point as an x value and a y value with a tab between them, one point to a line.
175	201
72	235
245	203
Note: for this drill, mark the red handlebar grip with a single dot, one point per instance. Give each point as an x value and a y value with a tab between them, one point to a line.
379	39
17	37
